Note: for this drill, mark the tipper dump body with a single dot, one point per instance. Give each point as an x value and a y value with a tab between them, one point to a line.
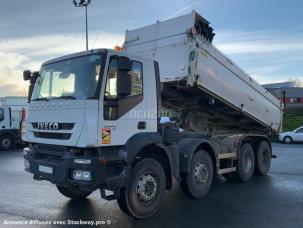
228	100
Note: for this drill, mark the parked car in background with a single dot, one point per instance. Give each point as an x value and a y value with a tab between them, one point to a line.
292	136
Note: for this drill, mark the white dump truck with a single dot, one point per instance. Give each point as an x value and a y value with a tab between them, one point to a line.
167	107
12	113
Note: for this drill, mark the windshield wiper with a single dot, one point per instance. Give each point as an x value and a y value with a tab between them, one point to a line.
65	97
41	99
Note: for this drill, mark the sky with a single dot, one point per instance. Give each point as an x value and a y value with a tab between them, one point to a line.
263	37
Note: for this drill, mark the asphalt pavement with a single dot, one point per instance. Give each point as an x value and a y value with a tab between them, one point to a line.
275	200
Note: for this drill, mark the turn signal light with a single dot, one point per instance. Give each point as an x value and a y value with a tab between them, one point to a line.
118	48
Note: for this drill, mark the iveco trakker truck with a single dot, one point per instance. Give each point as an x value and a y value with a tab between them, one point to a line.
169	107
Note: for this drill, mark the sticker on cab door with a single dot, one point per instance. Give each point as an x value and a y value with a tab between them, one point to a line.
106	135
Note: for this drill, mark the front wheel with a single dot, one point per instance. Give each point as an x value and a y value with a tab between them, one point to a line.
198	181
73	192
142	196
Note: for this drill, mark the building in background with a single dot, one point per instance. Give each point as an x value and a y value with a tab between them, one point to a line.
289	93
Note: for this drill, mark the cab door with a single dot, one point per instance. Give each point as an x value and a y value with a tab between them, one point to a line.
123	114
4	118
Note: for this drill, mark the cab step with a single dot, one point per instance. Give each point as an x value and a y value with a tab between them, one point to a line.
227	170
227	155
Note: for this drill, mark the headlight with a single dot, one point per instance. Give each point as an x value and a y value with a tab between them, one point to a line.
82	175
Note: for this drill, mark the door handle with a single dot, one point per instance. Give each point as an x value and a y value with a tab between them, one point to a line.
141	125
3	126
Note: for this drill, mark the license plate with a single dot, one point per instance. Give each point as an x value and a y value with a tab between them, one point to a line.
45	169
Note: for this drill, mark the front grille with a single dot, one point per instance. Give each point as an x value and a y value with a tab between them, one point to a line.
49	152
50	148
47	135
62	126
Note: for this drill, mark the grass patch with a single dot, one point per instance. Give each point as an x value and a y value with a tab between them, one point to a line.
293	118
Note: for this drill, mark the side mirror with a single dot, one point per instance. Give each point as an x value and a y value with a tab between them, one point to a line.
32	77
30	92
27	74
124	80
124	84
124	64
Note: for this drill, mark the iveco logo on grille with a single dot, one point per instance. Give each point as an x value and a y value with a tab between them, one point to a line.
48	126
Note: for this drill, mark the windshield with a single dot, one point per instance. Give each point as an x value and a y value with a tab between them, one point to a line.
1	114
74	78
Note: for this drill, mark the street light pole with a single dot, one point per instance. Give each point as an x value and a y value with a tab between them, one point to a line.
84	3
86	25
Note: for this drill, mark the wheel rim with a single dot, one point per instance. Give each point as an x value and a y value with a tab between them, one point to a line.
247	162
287	140
6	143
146	187
201	173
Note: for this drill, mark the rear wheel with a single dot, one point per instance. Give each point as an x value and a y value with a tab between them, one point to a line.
142	196
263	159
287	140
6	142
73	192
246	163
198	181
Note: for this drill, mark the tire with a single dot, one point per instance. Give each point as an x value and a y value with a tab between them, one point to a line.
246	163
73	192
6	142
122	202
141	198
198	181
263	159
287	140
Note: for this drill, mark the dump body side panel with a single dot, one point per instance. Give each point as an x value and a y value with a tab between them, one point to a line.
189	57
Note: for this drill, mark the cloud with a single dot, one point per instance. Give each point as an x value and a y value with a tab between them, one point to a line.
268	56
12	90
58	44
11	73
18	54
244	42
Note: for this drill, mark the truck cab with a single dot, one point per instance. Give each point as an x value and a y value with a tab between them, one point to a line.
91	99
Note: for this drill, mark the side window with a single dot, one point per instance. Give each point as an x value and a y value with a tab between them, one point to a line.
1	114
135	73
115	106
300	130
111	81
137	81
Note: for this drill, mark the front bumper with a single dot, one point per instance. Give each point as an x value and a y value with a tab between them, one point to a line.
106	172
